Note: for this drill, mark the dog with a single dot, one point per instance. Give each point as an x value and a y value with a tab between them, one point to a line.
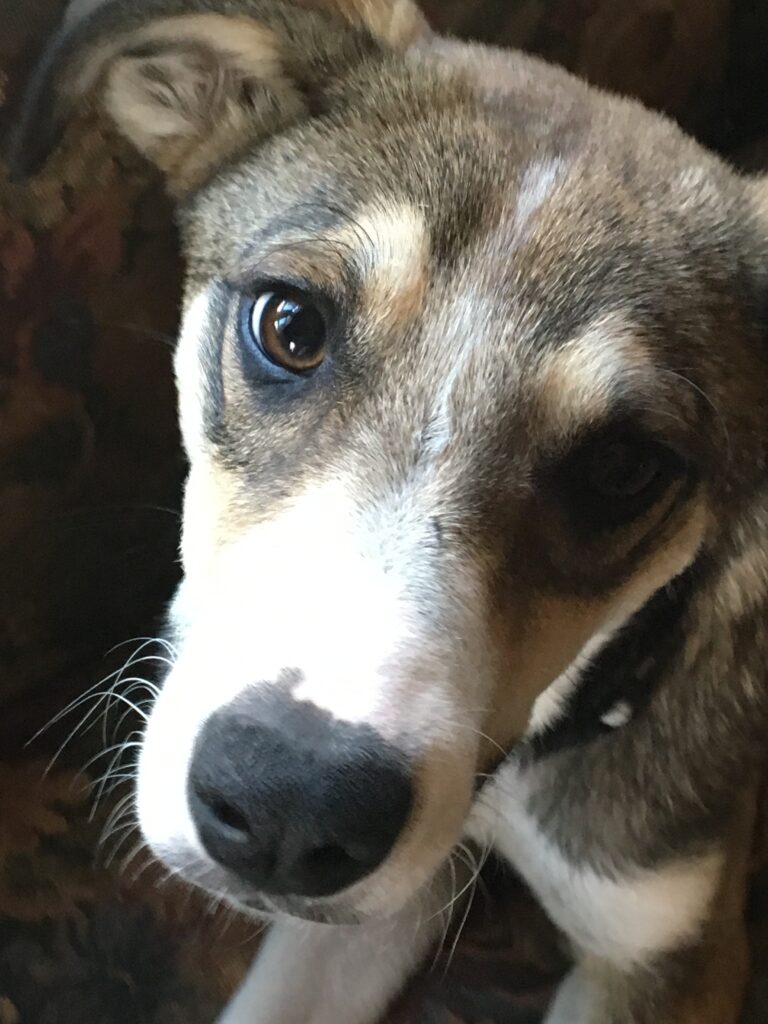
472	376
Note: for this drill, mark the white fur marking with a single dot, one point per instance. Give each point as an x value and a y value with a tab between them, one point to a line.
318	598
538	182
278	589
619	715
79	10
552	704
316	974
470	319
626	920
189	373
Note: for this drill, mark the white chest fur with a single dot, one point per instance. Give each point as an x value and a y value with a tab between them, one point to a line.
625	919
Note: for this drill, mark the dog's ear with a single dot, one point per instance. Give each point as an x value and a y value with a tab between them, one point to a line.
395	22
756	187
189	83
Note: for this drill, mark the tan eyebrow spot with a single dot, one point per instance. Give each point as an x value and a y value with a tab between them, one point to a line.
319	261
576	383
390	246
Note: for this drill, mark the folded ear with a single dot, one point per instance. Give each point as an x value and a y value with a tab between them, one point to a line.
395	22
190	82
756	187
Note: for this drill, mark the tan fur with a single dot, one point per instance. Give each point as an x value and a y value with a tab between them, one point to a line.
396	22
391	249
578	381
548	635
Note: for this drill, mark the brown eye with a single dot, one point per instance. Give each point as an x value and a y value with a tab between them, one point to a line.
621	469
289	329
614	477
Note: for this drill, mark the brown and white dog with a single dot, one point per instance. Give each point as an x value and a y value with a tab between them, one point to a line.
473	378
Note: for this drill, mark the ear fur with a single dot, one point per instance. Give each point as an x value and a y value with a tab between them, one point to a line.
395	22
756	187
189	90
188	83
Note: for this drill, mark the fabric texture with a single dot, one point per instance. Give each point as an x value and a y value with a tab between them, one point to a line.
91	930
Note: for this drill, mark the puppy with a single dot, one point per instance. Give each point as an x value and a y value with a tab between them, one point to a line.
472	375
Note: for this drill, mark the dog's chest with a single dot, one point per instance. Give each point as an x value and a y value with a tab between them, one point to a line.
625	918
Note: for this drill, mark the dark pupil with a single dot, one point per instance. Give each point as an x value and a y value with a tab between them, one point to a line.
623	471
299	329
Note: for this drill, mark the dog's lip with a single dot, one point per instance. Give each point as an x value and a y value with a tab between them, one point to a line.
223	883
253	906
317	911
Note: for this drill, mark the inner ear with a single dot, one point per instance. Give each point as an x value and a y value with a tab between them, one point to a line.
195	88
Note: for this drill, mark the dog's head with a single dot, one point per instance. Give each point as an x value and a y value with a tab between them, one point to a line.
472	364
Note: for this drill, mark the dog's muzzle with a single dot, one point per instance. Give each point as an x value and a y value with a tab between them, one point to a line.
292	801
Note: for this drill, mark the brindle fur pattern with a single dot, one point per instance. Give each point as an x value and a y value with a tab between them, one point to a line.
564	257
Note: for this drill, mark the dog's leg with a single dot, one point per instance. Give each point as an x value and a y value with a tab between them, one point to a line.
700	980
336	974
663	944
701	985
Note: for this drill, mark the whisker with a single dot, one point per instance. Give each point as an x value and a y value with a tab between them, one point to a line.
98	697
709	401
128	860
116	746
148	333
445	912
109	774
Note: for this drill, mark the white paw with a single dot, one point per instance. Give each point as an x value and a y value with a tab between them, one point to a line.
578	1001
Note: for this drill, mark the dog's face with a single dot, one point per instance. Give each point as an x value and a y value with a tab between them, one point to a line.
470	367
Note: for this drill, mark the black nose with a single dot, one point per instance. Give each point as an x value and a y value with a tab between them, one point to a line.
293	801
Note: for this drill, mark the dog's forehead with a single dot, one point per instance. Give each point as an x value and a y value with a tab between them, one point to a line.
480	165
491	242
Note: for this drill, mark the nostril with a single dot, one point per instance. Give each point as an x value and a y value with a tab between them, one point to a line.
328	858
225	813
332	867
230	816
325	869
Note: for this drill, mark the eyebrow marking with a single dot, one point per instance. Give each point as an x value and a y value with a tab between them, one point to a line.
578	382
385	247
389	246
